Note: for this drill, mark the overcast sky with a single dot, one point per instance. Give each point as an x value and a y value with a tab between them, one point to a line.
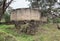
19	4
22	4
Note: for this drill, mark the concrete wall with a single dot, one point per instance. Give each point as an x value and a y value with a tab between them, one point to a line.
25	14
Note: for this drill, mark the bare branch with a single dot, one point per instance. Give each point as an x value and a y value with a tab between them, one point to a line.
7	5
4	4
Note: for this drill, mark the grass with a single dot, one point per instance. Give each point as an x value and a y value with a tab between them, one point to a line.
47	32
19	37
50	32
6	37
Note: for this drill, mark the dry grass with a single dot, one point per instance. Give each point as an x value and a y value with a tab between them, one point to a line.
47	32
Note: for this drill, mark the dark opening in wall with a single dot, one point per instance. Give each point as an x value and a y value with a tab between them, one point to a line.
43	14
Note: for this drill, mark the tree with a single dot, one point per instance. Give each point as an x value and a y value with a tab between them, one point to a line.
45	6
41	3
3	6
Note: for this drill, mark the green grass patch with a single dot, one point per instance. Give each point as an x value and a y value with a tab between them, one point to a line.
6	37
47	32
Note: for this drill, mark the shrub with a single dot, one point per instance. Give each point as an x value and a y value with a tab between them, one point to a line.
49	20
56	20
7	17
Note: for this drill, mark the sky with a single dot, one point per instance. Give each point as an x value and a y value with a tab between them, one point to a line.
23	4
19	4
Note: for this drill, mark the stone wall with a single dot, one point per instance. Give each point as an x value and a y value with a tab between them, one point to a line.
25	14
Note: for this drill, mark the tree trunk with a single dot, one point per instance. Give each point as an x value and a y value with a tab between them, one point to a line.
3	7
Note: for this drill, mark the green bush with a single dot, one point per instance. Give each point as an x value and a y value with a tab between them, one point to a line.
56	20
7	17
49	20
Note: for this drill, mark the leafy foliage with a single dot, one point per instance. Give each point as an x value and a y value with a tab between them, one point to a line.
7	17
56	20
45	6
